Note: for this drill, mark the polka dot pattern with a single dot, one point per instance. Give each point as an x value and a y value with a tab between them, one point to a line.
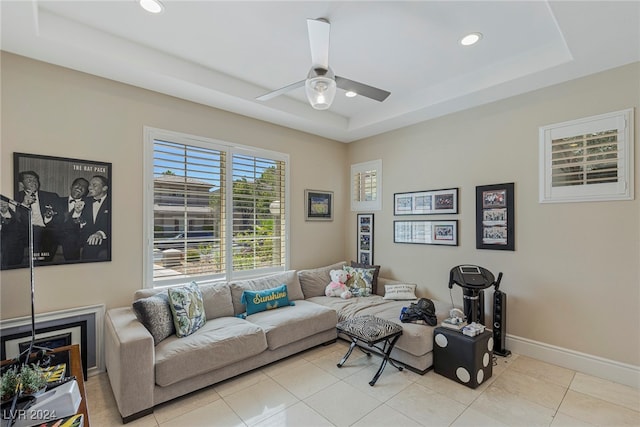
467	360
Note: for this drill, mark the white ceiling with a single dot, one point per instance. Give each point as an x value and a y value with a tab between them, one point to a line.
224	54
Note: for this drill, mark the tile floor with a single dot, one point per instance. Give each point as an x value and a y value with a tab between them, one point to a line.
309	390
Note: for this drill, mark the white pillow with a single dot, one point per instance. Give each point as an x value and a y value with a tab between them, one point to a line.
400	291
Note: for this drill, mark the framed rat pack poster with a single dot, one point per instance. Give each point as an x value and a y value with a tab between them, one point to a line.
70	205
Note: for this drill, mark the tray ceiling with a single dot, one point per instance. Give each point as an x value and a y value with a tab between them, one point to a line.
225	54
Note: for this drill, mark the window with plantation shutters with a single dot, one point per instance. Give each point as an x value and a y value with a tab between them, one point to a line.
588	159
366	186
213	210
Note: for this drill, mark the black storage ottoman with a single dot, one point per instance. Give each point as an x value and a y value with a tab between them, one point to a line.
467	360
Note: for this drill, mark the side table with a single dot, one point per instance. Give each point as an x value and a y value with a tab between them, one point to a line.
371	330
464	359
70	355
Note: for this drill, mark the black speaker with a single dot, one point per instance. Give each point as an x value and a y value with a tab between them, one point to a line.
500	323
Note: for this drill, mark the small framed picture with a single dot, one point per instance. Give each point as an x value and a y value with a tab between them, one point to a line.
426	232
426	202
318	205
495	217
365	239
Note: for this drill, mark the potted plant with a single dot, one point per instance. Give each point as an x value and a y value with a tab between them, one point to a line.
9	384
32	379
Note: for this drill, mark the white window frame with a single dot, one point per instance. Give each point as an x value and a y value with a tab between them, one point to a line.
149	135
620	190
359	169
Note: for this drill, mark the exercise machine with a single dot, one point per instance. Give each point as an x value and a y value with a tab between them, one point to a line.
474	280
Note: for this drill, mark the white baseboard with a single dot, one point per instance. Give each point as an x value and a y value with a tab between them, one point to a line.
611	370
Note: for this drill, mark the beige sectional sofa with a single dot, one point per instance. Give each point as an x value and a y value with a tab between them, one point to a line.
144	373
413	349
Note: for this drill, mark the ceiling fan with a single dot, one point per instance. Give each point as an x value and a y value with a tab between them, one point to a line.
320	84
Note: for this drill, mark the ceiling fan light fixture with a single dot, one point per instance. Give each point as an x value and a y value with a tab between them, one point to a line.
151	6
320	87
320	92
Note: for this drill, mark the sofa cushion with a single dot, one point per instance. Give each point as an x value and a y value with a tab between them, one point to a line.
155	314
352	307
217	300
215	296
376	273
289	278
400	291
314	281
416	339
187	309
220	342
268	299
290	324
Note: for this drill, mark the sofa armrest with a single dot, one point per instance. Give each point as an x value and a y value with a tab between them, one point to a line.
129	358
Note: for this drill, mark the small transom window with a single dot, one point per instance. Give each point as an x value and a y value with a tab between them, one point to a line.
587	159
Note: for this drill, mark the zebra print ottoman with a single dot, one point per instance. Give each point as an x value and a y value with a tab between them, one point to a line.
371	330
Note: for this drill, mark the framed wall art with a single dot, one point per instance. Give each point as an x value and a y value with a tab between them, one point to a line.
365	239
426	232
495	217
318	205
426	202
70	202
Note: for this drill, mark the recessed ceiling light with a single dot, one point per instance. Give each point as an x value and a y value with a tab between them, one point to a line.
350	94
153	6
470	39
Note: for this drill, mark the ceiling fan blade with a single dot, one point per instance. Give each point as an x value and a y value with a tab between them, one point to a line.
362	89
267	96
319	42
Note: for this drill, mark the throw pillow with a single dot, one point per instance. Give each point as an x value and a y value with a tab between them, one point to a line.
400	291
289	278
154	313
360	281
374	283
187	307
268	299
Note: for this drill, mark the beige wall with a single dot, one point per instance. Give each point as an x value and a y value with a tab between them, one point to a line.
54	111
573	280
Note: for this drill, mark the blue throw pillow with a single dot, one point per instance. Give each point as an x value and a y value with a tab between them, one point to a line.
268	299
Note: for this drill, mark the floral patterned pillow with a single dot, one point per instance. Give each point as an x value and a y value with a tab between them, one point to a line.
360	281
374	283
187	308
